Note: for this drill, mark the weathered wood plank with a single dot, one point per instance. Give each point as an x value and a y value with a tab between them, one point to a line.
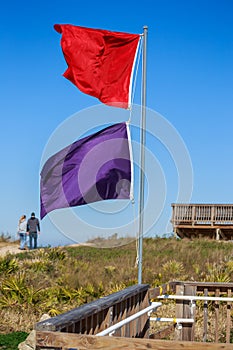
205	317
84	342
144	321
179	311
211	286
188	312
167	288
217	316
228	325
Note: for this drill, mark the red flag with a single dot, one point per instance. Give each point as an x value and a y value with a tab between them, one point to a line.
100	62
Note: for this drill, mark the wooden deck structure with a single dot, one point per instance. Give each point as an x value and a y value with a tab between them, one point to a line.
203	220
79	328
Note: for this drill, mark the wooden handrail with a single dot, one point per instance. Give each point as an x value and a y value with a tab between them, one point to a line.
91	319
99	314
217	294
202	214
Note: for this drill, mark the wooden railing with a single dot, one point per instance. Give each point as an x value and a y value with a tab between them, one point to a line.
78	328
214	316
202	214
98	315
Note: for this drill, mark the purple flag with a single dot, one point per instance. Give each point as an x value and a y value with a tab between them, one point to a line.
94	168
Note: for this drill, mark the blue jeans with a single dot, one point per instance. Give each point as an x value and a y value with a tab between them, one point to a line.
23	240
33	236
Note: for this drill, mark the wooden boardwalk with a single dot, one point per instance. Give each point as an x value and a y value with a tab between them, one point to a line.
203	220
80	328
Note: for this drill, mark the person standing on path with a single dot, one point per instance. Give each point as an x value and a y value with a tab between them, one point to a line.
33	229
22	232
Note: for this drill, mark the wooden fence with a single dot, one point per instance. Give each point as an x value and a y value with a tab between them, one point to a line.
218	313
78	328
202	214
98	315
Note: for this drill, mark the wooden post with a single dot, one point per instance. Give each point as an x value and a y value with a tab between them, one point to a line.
228	326
212	215
205	317
189	312
217	292
179	311
217	234
193	215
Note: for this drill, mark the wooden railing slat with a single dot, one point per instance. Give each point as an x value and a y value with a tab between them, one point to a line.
113	309
217	293
179	311
228	323
188	312
202	213
205	316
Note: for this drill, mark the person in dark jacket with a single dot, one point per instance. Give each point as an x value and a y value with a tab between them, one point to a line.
33	229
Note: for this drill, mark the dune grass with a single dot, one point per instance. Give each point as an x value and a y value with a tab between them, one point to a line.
54	280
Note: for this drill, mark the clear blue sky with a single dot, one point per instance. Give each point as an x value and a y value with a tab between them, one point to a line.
190	84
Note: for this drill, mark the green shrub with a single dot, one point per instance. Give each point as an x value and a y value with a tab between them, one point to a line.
11	341
8	265
55	280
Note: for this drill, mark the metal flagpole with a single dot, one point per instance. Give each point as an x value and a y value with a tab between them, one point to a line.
142	156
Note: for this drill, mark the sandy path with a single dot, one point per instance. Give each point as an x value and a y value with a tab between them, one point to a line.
13	248
9	248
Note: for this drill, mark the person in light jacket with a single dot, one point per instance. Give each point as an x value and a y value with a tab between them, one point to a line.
33	229
22	232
